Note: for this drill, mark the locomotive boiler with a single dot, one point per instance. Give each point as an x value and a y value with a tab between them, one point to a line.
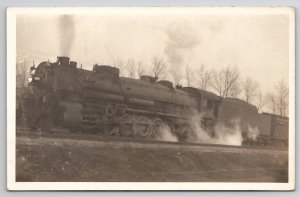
62	95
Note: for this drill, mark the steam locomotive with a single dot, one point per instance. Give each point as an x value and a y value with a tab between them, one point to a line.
62	95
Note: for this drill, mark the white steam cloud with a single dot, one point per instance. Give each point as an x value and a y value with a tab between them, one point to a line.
165	134
252	133
228	136
221	135
182	37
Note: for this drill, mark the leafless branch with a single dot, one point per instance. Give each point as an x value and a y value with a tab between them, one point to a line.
282	93
249	89
189	76
118	63
225	79
158	67
235	90
203	78
271	99
260	100
130	67
140	68
22	73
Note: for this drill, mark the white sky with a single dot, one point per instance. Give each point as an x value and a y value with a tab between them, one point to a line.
257	44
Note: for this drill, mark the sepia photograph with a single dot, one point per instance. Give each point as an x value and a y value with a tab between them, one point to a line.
151	98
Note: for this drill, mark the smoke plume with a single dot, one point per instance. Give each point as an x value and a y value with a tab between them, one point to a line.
66	34
181	39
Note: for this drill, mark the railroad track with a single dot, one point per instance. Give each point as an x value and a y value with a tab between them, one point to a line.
63	134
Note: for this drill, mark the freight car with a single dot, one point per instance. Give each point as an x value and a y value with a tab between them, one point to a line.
274	130
257	129
62	95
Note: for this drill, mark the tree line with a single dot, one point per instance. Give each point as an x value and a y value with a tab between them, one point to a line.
226	82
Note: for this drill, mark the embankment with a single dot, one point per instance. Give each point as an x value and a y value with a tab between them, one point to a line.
48	159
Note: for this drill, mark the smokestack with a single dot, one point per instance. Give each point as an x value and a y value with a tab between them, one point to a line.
63	60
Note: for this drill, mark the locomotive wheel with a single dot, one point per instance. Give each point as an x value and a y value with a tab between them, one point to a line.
31	124
115	130
126	129
73	130
156	129
151	131
141	130
158	123
46	124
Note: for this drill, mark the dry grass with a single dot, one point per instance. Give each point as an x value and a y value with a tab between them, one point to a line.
80	160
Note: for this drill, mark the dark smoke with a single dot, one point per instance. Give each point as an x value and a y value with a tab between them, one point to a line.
181	38
67	34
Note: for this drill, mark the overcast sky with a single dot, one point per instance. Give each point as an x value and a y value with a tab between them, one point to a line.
257	44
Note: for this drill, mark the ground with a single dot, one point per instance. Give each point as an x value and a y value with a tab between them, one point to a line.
73	159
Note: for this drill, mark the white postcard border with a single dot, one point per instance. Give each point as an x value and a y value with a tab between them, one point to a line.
11	100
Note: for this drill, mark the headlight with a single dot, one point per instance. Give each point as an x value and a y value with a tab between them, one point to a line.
32	71
29	79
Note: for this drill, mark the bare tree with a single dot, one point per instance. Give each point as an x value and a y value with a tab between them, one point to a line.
279	98
158	67
271	99
140	68
22	74
282	93
225	79
235	90
130	67
260	100
203	77
217	84
118	63
189	76
249	89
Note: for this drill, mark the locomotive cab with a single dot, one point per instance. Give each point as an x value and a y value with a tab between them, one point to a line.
208	106
208	103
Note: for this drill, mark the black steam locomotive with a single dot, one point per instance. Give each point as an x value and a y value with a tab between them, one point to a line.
62	95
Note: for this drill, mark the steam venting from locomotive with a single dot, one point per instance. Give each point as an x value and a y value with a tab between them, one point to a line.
166	134
222	135
229	135
225	135
253	133
66	34
181	38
